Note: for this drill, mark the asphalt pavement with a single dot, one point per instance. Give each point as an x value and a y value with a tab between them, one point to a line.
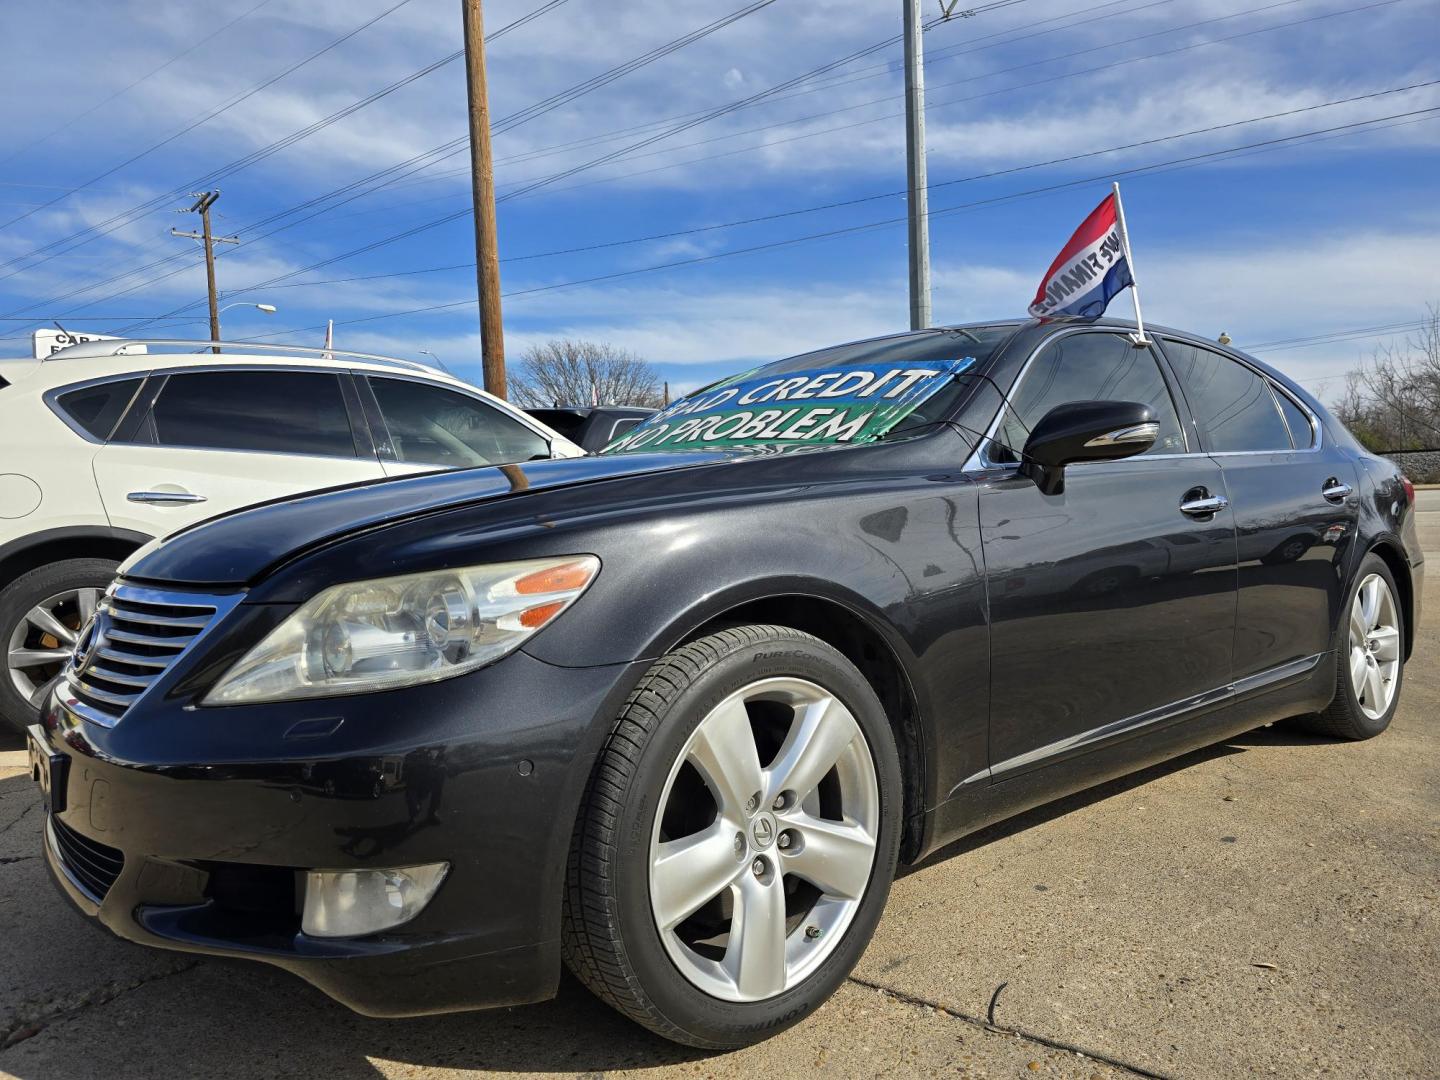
1268	906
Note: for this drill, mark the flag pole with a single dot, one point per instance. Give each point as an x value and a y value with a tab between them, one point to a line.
1139	337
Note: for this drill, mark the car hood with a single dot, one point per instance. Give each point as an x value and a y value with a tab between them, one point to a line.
238	548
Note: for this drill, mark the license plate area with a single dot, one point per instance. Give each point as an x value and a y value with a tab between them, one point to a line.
47	768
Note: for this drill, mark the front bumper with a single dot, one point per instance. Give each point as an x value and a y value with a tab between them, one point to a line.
179	839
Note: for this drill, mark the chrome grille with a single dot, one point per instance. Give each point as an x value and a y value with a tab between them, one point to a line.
136	634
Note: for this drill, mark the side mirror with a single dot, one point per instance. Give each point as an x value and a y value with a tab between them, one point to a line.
1085	431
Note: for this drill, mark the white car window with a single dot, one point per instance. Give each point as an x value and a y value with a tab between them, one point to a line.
434	426
278	412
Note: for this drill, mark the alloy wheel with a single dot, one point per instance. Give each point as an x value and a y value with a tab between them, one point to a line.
765	839
41	641
1374	646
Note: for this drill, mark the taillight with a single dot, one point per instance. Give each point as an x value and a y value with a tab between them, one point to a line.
1409	489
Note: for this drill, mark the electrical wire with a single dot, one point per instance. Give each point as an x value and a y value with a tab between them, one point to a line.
27	147
506	123
257	88
466	210
1137	171
859	200
134	213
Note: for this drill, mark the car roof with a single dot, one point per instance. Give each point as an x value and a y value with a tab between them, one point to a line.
103	359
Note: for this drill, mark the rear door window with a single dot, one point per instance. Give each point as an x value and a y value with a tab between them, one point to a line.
275	412
431	425
1233	406
98	408
1302	432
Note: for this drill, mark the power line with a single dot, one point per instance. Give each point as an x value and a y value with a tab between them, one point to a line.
1169	165
507	123
208	116
771	143
464	211
711	114
859	200
134	213
127	88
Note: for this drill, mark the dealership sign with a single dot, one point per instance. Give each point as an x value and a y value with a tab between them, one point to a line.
47	342
853	403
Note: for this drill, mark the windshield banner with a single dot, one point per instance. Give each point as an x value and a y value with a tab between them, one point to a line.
852	403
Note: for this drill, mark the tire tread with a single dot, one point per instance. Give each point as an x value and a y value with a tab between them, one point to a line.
590	941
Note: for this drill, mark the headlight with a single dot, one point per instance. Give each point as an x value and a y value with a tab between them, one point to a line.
399	631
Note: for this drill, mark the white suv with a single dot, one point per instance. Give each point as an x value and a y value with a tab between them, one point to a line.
103	449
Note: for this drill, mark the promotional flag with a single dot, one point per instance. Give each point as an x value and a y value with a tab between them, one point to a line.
1091	268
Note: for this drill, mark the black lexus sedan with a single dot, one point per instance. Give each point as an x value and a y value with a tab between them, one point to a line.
671	714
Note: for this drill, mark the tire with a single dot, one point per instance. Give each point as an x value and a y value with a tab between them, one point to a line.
645	789
1349	715
45	587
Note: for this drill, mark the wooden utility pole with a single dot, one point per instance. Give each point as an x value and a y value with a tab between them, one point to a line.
482	173
203	201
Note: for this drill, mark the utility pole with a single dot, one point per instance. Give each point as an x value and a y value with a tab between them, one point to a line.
482	175
203	201
919	199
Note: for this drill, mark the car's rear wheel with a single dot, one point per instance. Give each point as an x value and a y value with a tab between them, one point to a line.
1369	654
41	614
737	839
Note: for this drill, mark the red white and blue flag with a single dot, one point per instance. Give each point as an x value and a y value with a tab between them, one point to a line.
1091	269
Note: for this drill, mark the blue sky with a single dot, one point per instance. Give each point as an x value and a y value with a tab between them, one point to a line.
1304	238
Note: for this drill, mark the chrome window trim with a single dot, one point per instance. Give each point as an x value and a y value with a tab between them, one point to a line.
980	460
52	397
1316	429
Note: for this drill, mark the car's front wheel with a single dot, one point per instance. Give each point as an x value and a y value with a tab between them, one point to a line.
41	613
737	839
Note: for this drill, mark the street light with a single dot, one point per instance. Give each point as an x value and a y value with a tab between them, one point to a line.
268	309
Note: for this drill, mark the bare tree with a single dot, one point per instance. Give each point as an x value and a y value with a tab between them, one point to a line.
565	372
1392	402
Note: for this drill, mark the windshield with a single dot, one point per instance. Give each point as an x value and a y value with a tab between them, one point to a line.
840	396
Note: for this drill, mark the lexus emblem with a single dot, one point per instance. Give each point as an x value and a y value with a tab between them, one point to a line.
762	831
91	639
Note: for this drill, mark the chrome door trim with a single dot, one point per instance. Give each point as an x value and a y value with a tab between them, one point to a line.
1130	725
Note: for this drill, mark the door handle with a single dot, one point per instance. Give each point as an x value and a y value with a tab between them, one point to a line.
164	498
1202	504
1336	490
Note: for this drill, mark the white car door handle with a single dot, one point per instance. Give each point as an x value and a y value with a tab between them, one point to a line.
164	498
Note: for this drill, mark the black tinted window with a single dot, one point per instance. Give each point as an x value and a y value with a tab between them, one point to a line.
98	408
1231	404
279	412
432	426
1301	433
1088	367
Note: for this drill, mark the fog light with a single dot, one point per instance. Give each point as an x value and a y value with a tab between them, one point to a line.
350	903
